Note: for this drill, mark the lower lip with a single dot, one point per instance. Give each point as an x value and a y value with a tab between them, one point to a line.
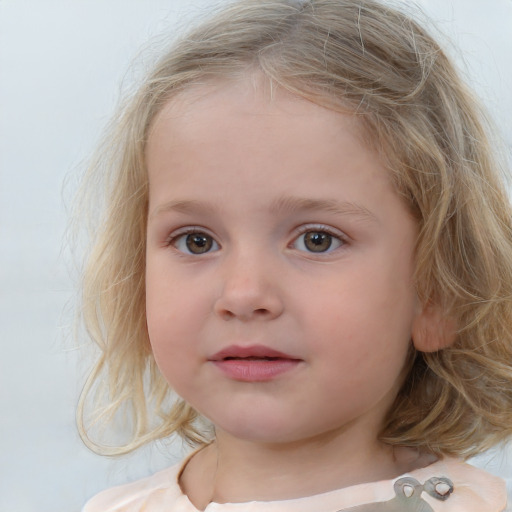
255	370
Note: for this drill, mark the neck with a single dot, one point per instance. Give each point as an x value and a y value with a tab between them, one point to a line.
232	470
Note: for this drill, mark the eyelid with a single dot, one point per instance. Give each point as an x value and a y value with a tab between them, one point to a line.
320	227
335	233
189	230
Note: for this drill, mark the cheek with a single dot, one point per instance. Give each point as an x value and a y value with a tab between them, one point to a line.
166	315
166	299
365	318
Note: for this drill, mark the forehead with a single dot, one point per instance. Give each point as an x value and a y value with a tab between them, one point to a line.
218	97
248	121
244	142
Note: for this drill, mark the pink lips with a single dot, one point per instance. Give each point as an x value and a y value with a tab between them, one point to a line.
255	363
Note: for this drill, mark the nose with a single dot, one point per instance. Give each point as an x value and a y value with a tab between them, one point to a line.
249	291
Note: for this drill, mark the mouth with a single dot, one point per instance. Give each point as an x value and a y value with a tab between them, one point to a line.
256	363
253	352
251	358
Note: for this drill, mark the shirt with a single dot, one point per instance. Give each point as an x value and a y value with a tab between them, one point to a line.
447	485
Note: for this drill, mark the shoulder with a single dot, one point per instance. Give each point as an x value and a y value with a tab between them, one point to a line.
474	490
162	487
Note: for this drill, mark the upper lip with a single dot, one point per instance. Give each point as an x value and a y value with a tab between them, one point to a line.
258	351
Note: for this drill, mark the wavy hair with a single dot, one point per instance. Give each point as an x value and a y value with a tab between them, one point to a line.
378	63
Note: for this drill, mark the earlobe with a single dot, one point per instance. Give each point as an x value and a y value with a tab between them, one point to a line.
432	330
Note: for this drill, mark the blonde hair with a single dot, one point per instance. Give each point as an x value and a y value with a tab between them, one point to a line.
378	63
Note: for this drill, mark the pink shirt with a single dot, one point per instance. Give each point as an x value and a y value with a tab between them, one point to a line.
469	490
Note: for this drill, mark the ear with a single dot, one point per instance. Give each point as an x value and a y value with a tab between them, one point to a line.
432	330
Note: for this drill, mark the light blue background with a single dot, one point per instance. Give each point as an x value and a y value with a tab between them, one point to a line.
61	65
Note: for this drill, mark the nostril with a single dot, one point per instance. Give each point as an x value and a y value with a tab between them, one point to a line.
251	304
228	314
257	313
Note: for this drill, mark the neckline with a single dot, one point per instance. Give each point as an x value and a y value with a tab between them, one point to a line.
365	493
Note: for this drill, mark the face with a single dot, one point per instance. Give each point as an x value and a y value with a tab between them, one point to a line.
279	271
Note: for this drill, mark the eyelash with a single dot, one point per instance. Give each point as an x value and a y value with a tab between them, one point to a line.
320	228
184	233
334	235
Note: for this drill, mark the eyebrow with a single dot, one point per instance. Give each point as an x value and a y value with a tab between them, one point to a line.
184	206
285	204
292	204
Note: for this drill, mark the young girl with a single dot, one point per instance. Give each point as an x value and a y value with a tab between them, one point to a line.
304	269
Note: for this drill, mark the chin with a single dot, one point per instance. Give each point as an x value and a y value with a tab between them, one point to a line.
259	430
269	431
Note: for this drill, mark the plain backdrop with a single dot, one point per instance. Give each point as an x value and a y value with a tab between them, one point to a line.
61	66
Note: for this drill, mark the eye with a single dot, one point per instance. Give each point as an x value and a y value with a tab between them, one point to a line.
317	241
195	242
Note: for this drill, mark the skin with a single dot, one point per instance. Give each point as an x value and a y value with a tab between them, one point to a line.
224	160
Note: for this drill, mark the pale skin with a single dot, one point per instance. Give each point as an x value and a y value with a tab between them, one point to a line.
254	175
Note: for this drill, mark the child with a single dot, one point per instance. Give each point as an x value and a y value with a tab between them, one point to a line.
307	240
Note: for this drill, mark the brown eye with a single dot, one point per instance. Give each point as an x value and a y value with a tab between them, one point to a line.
195	243
199	243
317	241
